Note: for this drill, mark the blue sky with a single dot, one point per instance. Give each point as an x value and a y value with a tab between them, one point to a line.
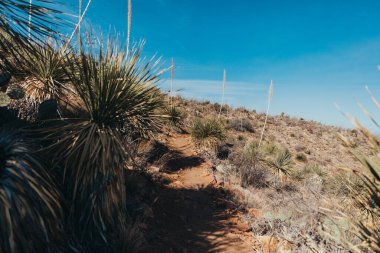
316	52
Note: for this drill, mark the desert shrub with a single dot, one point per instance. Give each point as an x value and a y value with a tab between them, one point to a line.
207	132
175	116
301	157
241	125
30	205
250	166
240	138
308	171
223	151
342	184
27	108
256	176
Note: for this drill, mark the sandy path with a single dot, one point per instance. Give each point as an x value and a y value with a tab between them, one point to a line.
192	213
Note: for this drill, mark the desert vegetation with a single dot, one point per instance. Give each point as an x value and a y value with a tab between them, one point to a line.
94	157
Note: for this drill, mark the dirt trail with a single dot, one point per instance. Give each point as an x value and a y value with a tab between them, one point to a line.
193	214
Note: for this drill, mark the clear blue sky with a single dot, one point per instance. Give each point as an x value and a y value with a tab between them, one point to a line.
316	52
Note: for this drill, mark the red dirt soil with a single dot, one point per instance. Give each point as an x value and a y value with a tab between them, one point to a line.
192	213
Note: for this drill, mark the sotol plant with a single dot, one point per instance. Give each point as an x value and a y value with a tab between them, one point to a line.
30	207
281	162
22	23
44	68
121	99
368	229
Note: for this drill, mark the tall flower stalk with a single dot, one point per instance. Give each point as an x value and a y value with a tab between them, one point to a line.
223	90
78	24
78	31
30	18
171	84
129	23
266	115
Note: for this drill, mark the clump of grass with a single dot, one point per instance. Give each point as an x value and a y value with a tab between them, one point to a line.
207	132
241	125
175	116
301	157
342	184
269	147
308	171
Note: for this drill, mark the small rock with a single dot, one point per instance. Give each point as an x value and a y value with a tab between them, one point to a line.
244	227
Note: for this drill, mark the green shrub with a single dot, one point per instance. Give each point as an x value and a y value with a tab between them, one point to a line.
269	148
175	116
241	125
207	132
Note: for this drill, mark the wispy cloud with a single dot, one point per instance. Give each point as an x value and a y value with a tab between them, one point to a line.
236	93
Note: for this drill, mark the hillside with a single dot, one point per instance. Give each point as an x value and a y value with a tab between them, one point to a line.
204	205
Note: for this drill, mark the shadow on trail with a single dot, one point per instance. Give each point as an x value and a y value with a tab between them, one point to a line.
190	220
177	162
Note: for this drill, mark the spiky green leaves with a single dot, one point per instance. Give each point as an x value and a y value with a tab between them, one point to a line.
282	161
30	208
44	67
121	99
369	200
117	89
207	132
18	18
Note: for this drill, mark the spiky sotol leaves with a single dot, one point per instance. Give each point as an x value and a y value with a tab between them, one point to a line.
121	99
19	17
44	67
30	210
23	23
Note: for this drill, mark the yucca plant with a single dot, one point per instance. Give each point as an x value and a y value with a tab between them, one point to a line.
22	22
207	132
44	68
19	17
120	96
175	116
281	162
369	230
368	199
30	205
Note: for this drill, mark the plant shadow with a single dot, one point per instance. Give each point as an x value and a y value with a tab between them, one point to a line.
192	220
